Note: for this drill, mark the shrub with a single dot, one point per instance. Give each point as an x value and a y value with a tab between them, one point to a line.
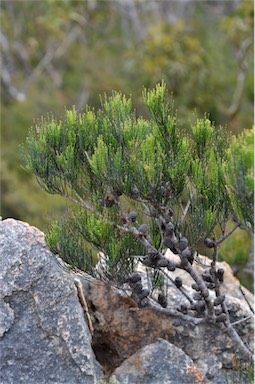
142	187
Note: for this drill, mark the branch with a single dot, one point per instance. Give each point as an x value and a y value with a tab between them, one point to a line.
241	320
203	288
49	57
170	312
84	303
81	203
12	91
224	237
127	228
241	77
231	332
245	298
185	211
181	289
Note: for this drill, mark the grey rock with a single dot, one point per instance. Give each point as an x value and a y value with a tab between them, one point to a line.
158	363
6	317
44	337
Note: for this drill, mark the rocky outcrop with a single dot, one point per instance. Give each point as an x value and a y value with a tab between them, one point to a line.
158	363
44	335
122	329
61	326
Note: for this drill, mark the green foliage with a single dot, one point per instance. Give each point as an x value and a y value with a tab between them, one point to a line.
106	160
209	151
240	176
79	239
242	372
63	238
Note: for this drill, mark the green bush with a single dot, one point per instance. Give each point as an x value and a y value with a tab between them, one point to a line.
112	162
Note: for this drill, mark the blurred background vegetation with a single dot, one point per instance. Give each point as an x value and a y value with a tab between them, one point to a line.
59	53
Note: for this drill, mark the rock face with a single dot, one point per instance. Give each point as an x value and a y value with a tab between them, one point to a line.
158	363
44	335
45	338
